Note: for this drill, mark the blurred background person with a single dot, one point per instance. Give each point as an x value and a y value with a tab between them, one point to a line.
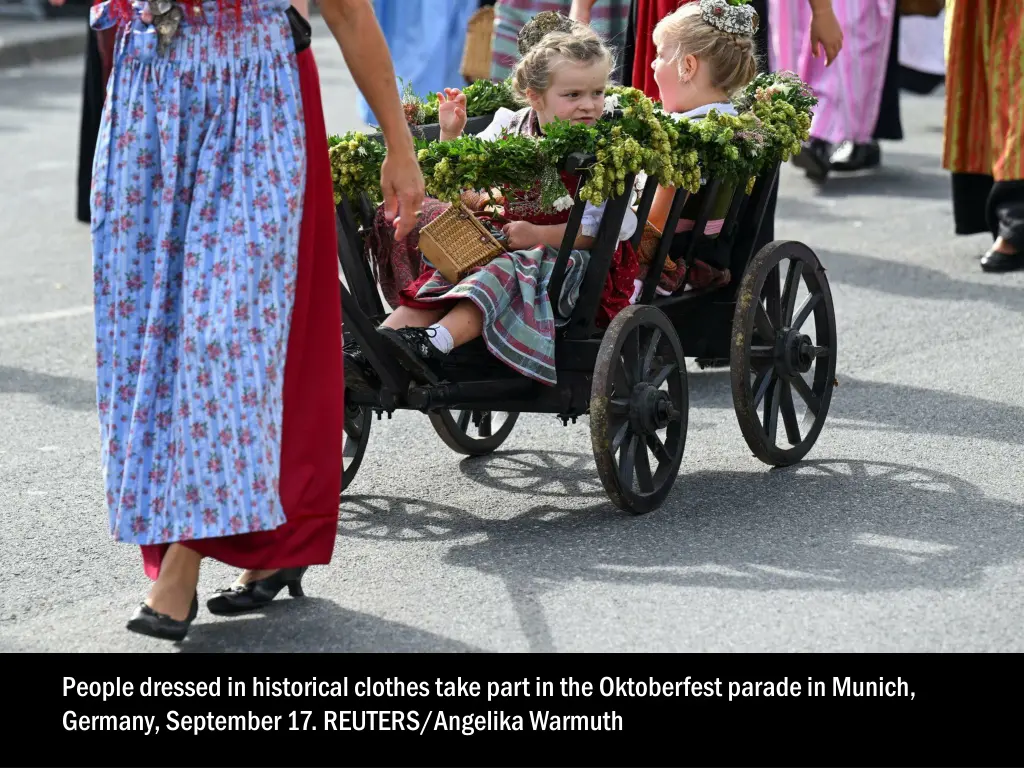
426	39
608	18
984	131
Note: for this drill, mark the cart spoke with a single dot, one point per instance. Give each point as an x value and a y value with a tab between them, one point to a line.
644	477
805	310
771	411
652	349
761	386
663	375
631	358
618	405
762	325
796	269
659	450
789	414
627	462
624	430
484	429
813	404
463	422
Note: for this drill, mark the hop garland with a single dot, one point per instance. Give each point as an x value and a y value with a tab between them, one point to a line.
355	165
634	136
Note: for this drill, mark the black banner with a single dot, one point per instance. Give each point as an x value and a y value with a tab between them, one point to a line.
289	709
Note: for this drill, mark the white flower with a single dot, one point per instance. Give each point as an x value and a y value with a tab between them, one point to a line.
361	151
564	203
780	88
611	103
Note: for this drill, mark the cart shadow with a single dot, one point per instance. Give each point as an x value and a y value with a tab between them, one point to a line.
848	526
916	282
314	625
862	405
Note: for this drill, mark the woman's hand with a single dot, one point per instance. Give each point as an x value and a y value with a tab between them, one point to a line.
520	235
451	113
401	181
825	32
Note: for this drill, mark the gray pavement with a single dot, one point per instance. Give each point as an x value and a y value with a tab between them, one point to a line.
902	531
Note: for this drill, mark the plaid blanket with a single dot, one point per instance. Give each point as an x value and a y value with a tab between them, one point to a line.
512	293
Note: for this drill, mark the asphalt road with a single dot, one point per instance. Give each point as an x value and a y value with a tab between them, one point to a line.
902	531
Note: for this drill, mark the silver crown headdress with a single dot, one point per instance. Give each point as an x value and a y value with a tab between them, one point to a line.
737	19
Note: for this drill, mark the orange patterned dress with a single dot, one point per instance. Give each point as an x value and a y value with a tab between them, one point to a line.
984	130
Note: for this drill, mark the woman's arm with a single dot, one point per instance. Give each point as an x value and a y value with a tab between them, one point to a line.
365	50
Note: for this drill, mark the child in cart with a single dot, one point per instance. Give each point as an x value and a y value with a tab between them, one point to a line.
562	76
705	55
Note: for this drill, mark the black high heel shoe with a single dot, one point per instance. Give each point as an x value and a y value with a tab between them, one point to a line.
256	594
146	621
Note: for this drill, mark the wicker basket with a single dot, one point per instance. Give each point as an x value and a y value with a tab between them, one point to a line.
456	242
476	58
921	7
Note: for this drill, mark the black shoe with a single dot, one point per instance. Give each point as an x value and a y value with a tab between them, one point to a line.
415	352
994	261
257	593
712	362
813	159
359	374
856	157
146	621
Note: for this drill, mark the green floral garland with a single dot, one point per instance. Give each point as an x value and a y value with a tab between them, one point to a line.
482	98
775	116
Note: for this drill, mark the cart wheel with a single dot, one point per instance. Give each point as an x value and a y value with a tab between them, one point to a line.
492	428
357	433
639	402
776	352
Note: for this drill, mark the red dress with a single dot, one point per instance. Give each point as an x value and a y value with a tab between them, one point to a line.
648	14
313	419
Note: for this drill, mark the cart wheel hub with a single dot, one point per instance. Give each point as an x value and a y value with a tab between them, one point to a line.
650	409
797	352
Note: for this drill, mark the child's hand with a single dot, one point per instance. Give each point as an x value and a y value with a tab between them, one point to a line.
520	235
451	113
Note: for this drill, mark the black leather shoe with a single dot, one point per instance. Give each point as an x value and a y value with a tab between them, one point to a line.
994	261
256	594
146	621
813	159
359	374
415	352
856	157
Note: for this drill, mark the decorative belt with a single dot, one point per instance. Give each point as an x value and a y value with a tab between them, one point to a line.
164	17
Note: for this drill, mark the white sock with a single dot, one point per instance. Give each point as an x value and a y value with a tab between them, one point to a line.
442	339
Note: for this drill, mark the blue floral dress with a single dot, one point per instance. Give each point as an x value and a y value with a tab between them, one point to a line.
197	198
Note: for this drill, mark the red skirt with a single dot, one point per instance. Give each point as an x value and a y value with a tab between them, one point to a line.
313	418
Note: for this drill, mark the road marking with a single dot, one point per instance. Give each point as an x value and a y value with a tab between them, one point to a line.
42	317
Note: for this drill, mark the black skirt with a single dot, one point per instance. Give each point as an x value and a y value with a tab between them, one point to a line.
93	94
